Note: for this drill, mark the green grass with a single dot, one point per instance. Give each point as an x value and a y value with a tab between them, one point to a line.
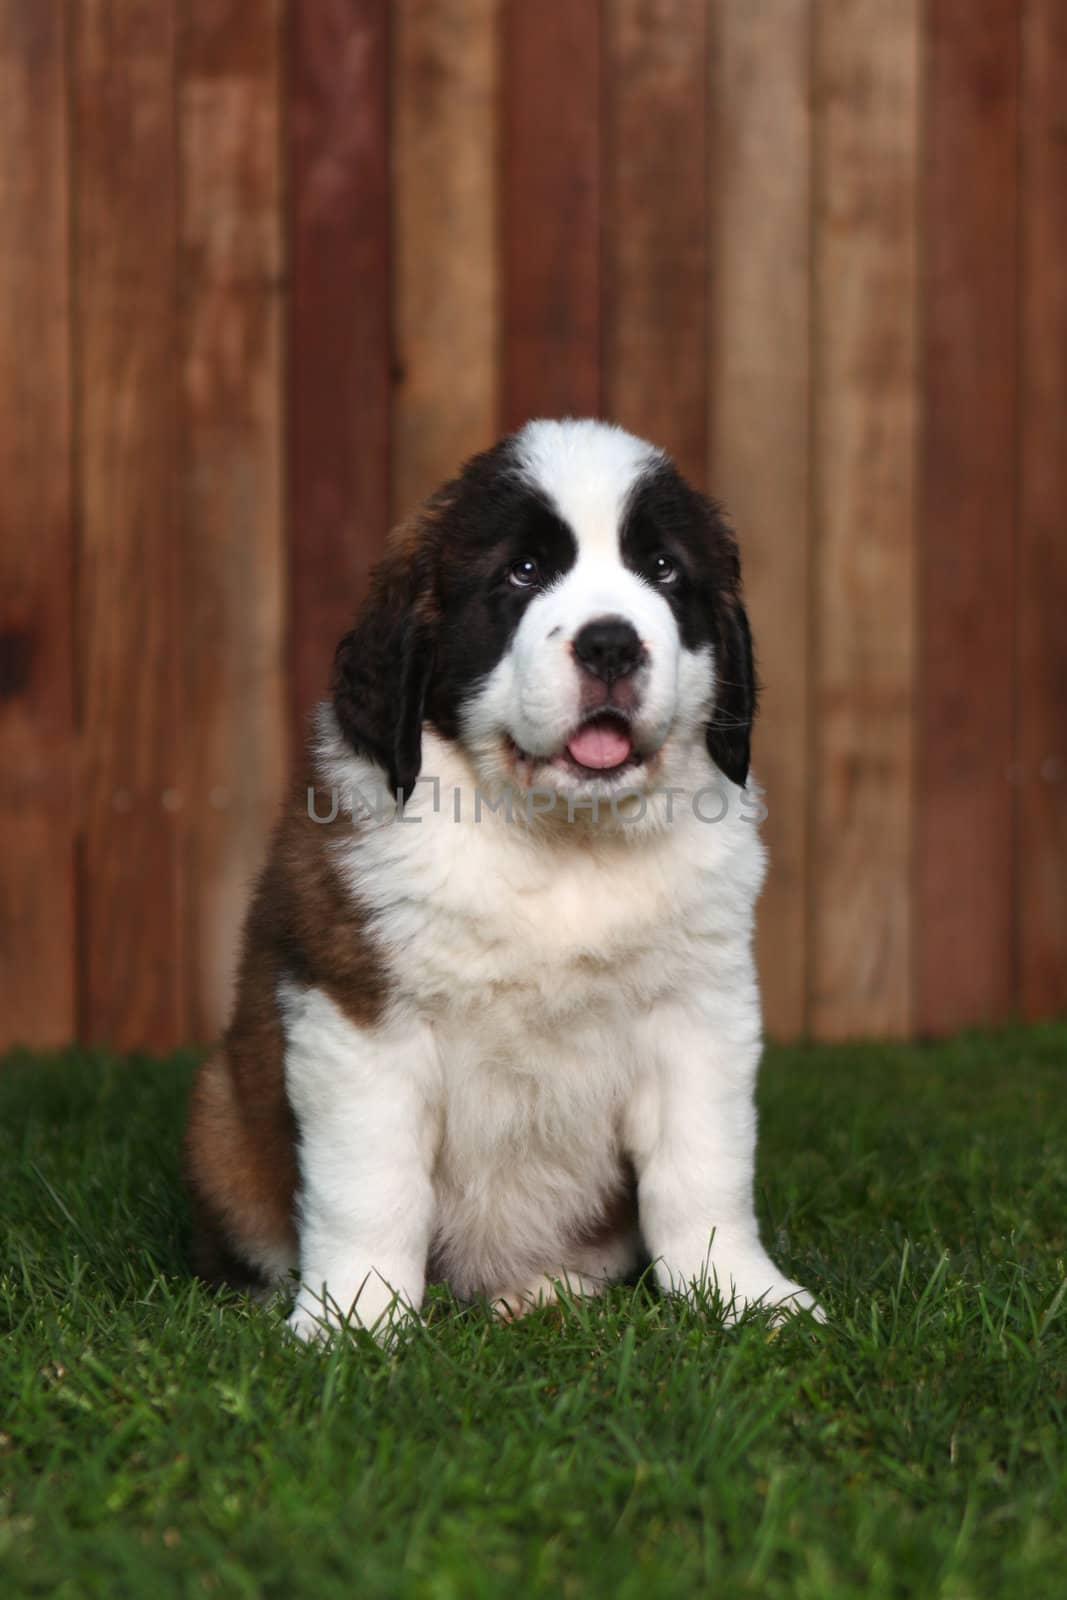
157	1441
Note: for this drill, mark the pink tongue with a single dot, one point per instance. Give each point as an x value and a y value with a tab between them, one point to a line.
600	745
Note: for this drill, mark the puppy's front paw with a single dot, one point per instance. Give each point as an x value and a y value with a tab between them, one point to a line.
745	1281
375	1307
785	1299
308	1326
748	1290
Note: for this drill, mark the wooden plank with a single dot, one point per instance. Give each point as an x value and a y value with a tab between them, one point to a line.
1043	543
129	616
338	338
444	175
233	534
657	267
760	188
550	204
965	858
864	440
37	978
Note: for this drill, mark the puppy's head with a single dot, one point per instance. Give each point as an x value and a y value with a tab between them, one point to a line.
568	610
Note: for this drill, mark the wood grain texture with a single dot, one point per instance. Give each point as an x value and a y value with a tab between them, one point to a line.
551	213
445	78
865	216
967	551
131	636
656	226
760	290
233	534
271	269
1042	702
37	924
338	334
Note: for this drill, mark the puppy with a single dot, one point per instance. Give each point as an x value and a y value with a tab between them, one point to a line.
497	1019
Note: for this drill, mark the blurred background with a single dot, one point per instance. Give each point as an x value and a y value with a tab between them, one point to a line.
269	271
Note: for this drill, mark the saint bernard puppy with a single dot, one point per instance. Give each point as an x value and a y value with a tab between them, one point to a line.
497	1021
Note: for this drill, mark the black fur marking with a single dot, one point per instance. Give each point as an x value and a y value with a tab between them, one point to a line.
666	515
430	633
490	519
381	673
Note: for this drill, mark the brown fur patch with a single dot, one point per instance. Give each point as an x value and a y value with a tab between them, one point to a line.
240	1155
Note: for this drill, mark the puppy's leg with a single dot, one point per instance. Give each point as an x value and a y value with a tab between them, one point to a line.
691	1131
363	1100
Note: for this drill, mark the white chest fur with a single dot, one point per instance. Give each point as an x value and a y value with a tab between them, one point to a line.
521	970
485	913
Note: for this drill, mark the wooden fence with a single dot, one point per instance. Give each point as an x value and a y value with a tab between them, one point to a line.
268	272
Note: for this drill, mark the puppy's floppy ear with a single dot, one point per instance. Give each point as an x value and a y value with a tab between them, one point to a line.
382	672
729	732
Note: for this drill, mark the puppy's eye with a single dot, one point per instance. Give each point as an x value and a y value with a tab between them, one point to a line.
661	569
524	574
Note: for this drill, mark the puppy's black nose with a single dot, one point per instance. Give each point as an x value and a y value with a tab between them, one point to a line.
609	648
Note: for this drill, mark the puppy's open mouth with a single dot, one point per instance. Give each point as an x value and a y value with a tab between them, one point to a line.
600	747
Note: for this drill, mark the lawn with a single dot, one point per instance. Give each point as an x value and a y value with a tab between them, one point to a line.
156	1441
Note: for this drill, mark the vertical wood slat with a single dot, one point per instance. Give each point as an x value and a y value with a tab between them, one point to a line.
338	332
760	287
865	216
657	193
446	403
966	733
550	201
37	937
130	614
233	537
1042	692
